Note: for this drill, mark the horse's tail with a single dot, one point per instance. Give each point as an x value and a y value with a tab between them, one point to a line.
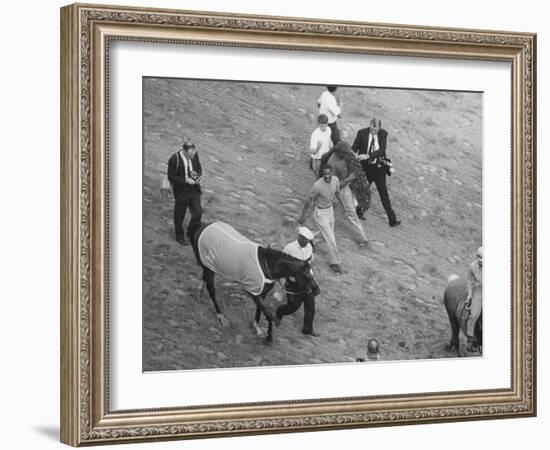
193	232
194	225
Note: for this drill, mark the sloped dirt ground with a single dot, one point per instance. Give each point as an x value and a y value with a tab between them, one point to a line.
253	141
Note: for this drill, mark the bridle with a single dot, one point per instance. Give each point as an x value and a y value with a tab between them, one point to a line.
309	289
265	267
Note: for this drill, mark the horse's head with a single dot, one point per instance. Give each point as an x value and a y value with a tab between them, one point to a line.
306	280
282	265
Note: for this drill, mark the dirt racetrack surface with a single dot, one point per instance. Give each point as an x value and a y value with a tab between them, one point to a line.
253	141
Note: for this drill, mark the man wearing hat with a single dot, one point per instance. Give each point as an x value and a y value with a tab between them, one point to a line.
184	173
301	249
475	292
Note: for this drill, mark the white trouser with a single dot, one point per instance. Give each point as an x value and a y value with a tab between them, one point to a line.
325	222
315	165
347	201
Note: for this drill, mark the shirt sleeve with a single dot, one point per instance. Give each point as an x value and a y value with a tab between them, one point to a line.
333	106
313	141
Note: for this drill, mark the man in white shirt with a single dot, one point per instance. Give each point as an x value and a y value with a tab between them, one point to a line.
332	108
301	249
320	143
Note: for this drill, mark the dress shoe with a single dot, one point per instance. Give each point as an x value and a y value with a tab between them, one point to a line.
181	241
394	224
336	268
311	333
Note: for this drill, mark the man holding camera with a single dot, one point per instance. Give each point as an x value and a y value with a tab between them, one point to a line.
370	147
184	173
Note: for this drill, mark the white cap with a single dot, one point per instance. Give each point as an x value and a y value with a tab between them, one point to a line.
305	232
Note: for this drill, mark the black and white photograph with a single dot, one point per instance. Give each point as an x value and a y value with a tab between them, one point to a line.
293	224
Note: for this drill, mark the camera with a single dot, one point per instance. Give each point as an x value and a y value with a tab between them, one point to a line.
384	162
195	176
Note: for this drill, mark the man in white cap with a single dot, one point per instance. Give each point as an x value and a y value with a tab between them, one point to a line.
301	249
475	292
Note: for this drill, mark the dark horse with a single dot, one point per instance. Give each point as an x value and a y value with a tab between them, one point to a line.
219	248
455	298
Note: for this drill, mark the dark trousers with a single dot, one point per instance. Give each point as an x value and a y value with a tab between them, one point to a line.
334	133
191	200
293	302
378	176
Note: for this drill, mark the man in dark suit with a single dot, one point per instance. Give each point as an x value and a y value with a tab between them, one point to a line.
370	147
184	173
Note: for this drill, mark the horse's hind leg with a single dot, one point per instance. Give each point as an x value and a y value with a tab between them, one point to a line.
454	343
208	278
455	330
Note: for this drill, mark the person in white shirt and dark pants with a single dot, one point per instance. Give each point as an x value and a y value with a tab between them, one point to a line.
320	143
332	108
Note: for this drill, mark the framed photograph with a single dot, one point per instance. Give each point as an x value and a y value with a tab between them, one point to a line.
276	224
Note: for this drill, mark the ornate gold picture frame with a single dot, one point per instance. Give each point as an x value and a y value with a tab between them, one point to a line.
87	32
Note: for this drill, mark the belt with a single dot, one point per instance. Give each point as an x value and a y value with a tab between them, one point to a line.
318	207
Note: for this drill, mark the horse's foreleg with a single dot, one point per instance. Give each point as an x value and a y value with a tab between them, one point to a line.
258	313
269	336
260	307
208	277
256	322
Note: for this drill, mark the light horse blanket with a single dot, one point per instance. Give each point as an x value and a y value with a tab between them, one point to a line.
228	253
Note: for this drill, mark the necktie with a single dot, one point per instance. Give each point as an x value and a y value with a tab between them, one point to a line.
371	146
